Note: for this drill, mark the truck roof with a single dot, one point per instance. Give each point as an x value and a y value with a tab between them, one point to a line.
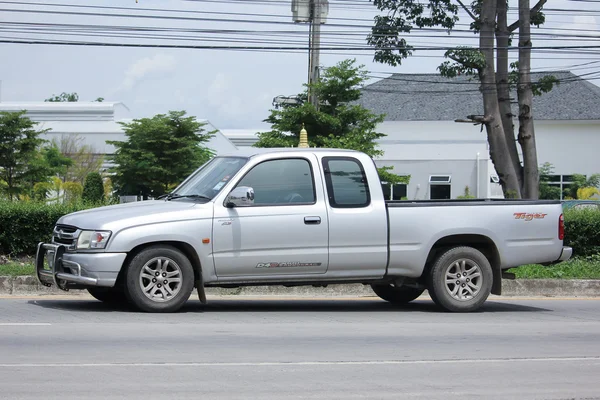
254	151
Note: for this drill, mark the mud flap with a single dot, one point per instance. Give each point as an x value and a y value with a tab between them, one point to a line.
200	290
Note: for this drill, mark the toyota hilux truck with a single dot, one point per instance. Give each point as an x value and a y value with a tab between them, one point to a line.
297	217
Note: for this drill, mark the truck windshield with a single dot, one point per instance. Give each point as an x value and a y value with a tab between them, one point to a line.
208	180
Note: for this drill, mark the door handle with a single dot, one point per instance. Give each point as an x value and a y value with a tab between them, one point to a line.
312	220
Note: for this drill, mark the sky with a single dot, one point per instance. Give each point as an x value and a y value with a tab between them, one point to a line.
233	89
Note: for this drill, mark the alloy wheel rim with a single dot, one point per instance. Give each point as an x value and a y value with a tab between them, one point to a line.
160	279
463	279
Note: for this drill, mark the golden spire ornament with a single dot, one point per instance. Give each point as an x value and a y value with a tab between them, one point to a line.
303	138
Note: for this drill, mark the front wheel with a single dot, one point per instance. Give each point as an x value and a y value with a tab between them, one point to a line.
159	279
460	279
397	294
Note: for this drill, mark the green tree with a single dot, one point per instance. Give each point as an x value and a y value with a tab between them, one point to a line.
63	97
337	123
487	63
93	189
159	153
55	160
69	98
19	146
46	163
85	158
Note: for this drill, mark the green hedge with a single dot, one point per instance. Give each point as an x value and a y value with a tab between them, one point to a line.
24	224
582	231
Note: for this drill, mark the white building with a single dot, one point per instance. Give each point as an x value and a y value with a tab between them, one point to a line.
95	123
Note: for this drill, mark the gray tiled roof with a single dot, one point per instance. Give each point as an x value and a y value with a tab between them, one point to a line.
430	97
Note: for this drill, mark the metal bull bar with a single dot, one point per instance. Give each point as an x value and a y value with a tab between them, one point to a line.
56	275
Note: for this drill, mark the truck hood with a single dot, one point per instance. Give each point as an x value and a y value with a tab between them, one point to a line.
119	216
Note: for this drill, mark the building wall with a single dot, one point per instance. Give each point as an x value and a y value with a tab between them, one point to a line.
463	173
573	147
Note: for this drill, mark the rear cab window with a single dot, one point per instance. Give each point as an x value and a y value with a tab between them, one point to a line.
346	182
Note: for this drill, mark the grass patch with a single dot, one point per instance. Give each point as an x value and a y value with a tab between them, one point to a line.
576	268
16	269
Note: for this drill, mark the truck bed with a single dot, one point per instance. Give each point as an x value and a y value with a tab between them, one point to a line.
516	231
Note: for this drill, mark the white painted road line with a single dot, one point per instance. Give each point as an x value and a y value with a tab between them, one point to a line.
24	324
301	363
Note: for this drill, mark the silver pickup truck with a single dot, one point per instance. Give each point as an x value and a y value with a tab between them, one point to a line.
297	217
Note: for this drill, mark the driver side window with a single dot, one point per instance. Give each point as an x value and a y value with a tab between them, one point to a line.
281	182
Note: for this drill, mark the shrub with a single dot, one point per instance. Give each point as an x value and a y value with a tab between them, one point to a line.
582	231
73	191
93	189
24	224
466	195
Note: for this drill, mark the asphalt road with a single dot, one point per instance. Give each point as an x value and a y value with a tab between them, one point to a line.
76	348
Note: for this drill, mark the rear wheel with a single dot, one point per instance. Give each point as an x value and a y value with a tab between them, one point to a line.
397	294
108	295
460	279
159	279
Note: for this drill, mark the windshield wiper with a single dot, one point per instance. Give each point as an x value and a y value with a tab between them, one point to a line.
172	196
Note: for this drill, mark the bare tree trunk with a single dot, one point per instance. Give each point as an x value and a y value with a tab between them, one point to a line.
499	152
525	97
502	40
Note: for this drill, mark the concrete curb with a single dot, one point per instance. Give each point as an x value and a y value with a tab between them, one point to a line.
28	285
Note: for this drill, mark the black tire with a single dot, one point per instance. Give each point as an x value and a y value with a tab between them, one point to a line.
108	295
141	290
474	284
397	294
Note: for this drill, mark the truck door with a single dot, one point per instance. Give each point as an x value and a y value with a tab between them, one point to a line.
284	232
358	224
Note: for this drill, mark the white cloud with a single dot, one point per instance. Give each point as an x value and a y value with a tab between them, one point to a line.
147	67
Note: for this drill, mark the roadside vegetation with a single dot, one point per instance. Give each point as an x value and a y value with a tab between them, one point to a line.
17	268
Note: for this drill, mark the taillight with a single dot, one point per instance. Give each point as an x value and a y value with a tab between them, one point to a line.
561	227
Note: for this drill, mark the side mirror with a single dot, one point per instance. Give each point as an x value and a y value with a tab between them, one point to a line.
241	196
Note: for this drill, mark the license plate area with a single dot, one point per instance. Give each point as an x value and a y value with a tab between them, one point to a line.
49	264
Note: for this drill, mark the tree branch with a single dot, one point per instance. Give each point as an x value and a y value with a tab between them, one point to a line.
467	10
465	63
535	9
476	119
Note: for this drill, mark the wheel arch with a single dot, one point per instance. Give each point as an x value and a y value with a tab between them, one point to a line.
187	249
480	242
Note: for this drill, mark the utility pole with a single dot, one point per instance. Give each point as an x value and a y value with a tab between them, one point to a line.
315	44
313	12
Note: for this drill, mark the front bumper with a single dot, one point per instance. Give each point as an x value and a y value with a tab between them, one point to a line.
76	270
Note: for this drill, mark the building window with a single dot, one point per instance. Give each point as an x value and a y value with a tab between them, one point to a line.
396	191
561	181
387	190
440	187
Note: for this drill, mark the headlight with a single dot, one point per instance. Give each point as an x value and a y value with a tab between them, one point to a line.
92	239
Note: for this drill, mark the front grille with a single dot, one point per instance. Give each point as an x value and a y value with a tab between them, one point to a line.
66	235
66	228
